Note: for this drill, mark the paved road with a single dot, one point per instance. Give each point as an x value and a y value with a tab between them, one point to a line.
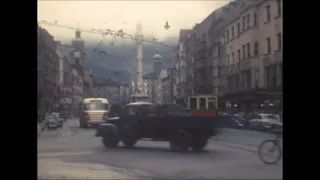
73	153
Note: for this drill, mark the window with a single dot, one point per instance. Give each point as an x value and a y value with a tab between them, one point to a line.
218	51
248	49
256	49
279	8
232	33
255	19
228	59
243	52
267	9
239	55
279	41
227	35
238	29
248	20
233	59
268	46
243	23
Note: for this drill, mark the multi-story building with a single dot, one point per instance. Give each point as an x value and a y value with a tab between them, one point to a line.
253	43
107	88
166	87
203	67
190	48
77	87
66	94
216	47
181	66
87	84
48	69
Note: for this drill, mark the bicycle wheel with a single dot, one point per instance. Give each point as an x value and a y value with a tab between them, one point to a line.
273	152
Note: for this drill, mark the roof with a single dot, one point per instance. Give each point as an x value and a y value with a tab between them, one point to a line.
103	100
139	104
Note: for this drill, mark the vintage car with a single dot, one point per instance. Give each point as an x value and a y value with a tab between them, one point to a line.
263	122
143	120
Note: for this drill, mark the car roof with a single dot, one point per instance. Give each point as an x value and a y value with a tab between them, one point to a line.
139	104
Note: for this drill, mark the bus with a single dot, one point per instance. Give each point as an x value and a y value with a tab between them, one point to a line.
93	111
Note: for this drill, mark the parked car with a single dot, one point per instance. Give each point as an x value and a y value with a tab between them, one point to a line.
51	122
59	119
265	122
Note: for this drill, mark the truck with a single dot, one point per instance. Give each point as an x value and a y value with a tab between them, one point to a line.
144	120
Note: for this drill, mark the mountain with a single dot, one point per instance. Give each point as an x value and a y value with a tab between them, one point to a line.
123	58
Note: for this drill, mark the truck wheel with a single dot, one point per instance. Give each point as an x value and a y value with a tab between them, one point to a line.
110	142
129	142
179	143
199	143
83	124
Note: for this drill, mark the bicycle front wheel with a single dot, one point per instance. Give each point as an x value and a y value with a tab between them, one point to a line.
269	152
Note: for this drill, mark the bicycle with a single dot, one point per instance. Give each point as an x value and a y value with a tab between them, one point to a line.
275	147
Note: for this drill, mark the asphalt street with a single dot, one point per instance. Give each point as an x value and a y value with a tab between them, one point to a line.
74	153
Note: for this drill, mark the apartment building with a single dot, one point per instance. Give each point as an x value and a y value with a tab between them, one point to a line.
181	65
77	86
216	47
253	48
48	69
87	84
190	48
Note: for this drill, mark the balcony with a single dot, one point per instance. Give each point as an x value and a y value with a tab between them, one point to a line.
244	65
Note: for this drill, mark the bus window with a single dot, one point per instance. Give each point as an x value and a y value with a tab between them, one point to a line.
193	103
202	103
211	105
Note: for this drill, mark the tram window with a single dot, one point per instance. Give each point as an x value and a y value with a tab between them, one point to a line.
193	103
211	105
202	103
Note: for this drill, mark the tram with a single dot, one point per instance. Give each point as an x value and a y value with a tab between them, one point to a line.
203	105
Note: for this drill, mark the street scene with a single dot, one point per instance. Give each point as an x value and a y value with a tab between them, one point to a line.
72	152
139	89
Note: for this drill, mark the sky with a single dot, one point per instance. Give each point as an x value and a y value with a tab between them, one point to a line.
116	15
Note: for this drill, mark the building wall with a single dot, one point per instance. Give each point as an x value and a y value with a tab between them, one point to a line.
48	68
88	84
77	87
251	42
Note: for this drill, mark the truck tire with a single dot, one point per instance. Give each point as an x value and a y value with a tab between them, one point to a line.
197	144
110	142
129	142
179	143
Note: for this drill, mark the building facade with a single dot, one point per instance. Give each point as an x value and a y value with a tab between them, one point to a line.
48	69
107	88
87	84
253	43
77	87
66	94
